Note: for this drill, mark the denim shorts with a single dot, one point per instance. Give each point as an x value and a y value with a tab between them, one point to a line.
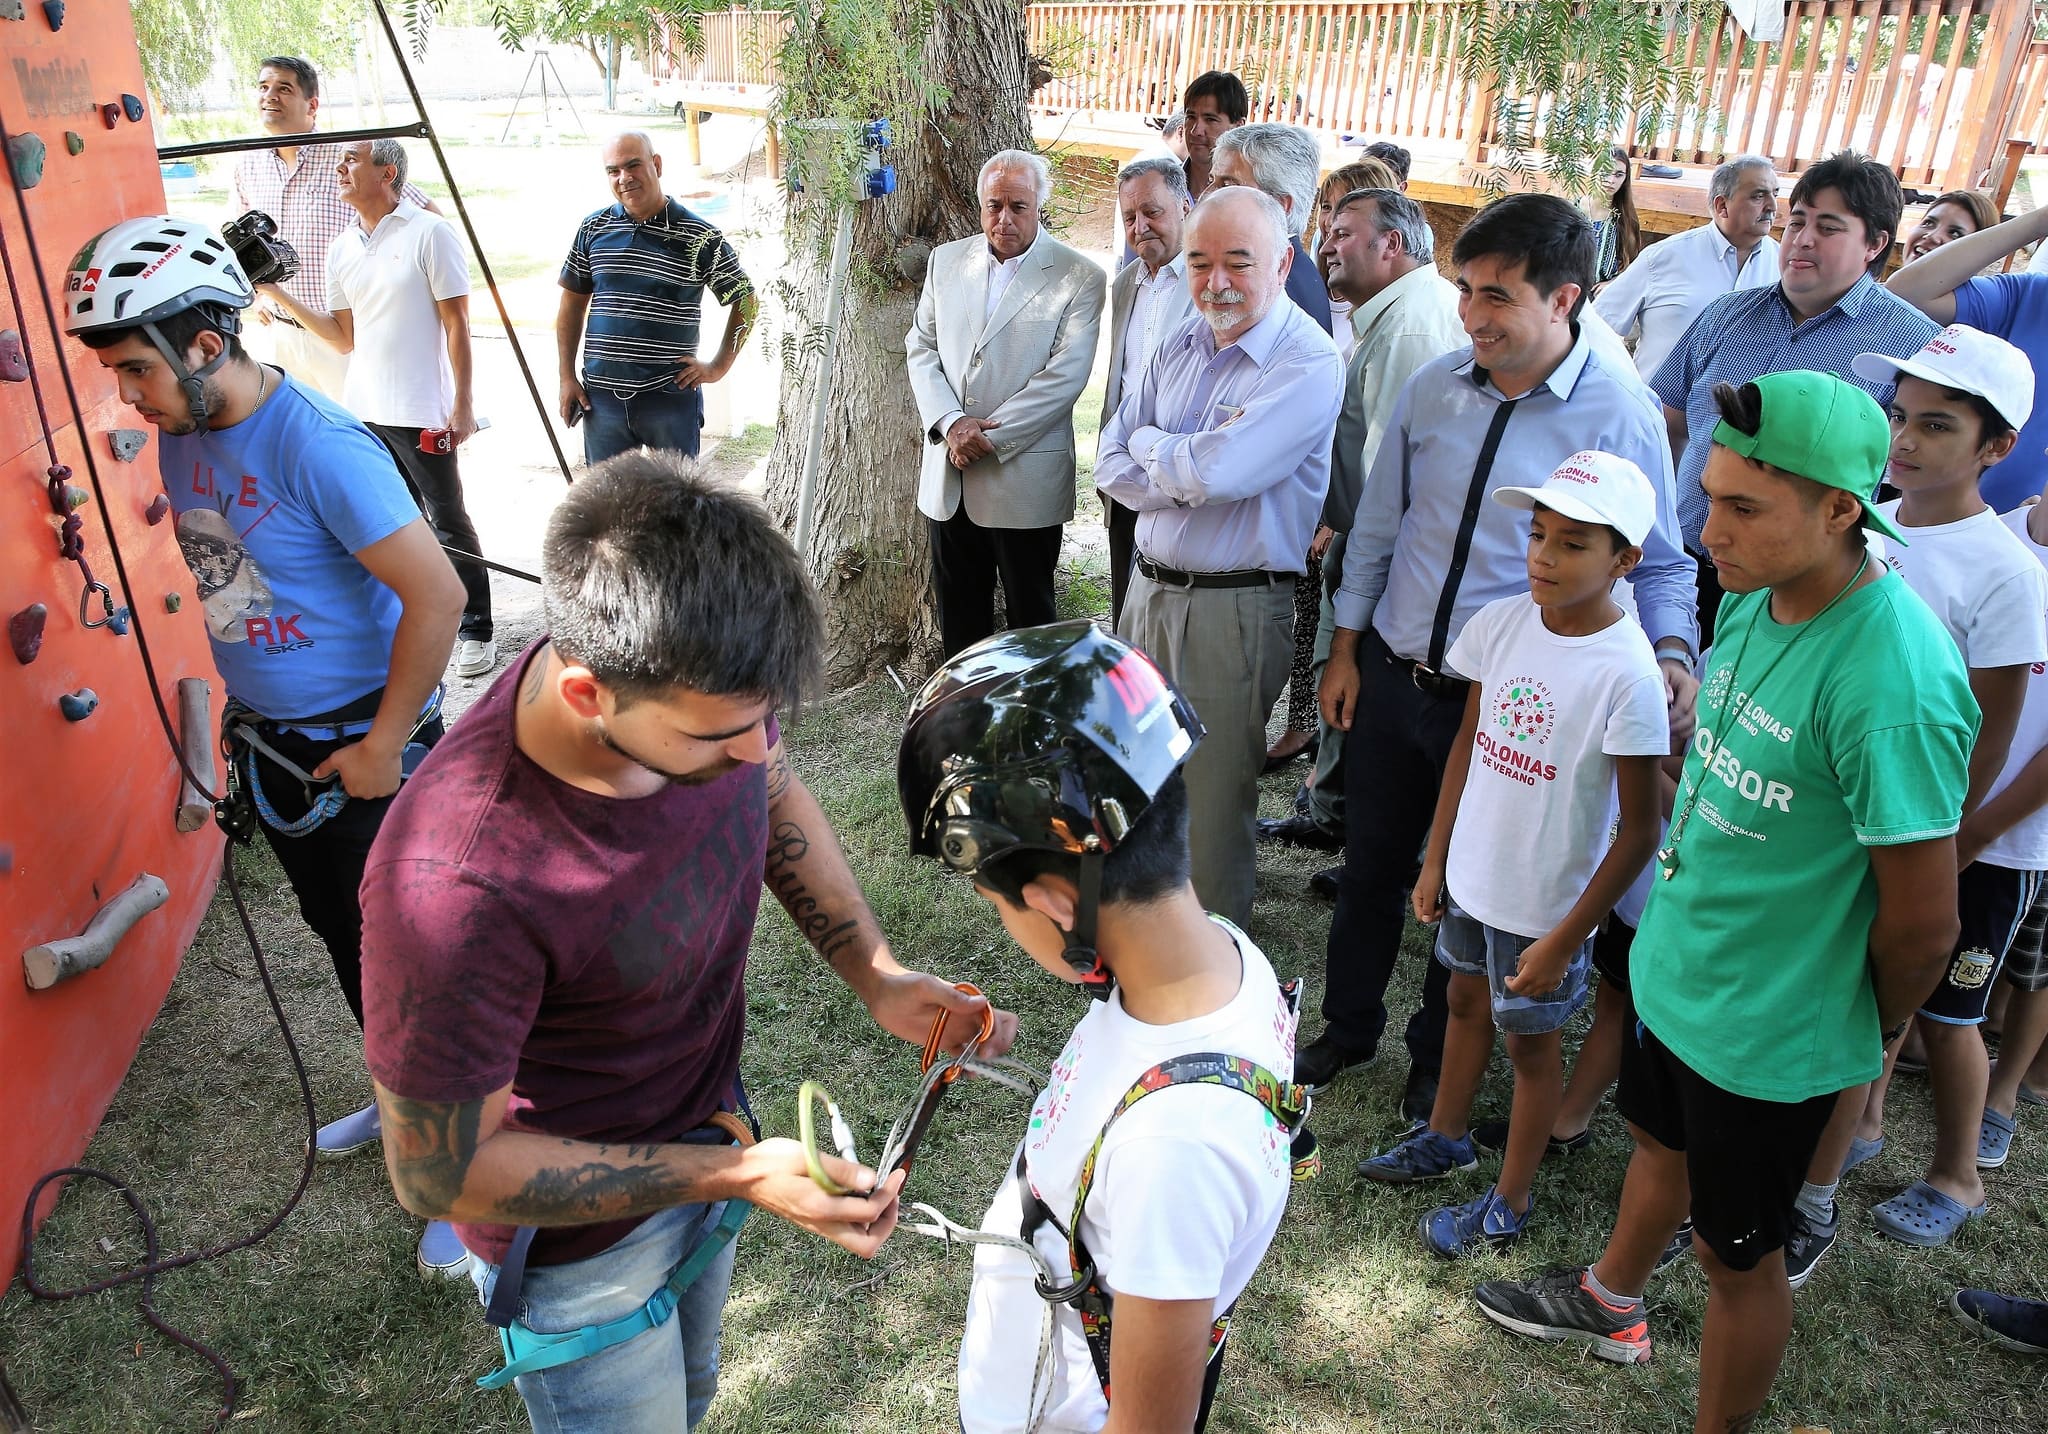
1473	948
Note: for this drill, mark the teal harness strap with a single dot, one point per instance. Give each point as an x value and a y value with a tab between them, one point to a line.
528	1351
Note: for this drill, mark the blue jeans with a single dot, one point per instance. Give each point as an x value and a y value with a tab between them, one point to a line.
1472	948
666	417
649	1384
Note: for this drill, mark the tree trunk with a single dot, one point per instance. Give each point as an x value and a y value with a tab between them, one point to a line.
870	552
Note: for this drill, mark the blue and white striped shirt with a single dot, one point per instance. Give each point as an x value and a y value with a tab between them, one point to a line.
646	283
1752	332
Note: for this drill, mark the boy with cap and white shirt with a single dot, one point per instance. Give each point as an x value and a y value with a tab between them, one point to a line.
1955	412
1803	901
1525	859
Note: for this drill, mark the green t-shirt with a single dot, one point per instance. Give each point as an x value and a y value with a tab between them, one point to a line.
1815	741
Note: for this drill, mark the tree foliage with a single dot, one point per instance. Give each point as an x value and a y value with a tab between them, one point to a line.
181	40
586	25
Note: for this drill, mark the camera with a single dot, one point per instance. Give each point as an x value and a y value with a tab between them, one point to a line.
265	258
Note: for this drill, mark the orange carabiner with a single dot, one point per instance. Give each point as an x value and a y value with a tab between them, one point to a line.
934	1042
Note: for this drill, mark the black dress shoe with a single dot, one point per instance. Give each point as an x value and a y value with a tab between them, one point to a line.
1323	884
1298	831
1418	1097
1321	1060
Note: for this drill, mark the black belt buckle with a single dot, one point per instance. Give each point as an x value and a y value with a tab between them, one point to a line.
1428	679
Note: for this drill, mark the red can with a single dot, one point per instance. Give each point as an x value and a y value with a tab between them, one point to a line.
437	440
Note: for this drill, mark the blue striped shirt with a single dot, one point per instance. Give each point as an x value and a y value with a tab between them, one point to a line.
646	282
1752	332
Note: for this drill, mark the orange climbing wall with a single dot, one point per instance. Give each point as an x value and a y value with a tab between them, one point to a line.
85	806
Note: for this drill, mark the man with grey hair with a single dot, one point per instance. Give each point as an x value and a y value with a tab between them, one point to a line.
1000	350
1285	162
1223	449
398	296
1148	300
1662	292
1405	314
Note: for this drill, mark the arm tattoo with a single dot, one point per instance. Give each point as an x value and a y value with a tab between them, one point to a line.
788	845
608	1183
536	678
431	1145
779	777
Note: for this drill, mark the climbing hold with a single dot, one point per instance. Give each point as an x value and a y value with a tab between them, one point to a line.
131	106
173	601
75	497
25	152
69	956
159	509
13	357
127	442
79	705
25	632
117	621
111	113
6	861
74	141
12	10
53	11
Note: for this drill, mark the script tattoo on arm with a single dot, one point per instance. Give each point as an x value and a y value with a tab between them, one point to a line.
789	846
430	1145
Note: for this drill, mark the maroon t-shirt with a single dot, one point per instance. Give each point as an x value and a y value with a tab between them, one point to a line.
586	950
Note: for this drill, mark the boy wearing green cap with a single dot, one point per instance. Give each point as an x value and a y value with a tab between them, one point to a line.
1821	781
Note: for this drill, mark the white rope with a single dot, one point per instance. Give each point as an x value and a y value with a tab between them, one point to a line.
949	1231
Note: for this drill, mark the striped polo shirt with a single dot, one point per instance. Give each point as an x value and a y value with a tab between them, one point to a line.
646	283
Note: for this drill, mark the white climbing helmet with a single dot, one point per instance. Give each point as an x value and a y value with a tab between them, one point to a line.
142	270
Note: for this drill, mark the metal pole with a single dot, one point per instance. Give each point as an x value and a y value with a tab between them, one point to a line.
476	245
416	130
835	303
611	73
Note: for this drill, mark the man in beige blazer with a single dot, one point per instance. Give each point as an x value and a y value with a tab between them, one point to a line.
1152	198
1001	349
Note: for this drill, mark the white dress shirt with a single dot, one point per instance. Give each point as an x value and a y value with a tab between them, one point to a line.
1150	315
1671	281
1000	273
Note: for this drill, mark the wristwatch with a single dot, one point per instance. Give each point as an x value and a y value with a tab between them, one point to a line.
1676	652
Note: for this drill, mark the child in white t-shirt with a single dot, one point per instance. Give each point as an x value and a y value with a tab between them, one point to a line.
1566	709
1045	764
1955	411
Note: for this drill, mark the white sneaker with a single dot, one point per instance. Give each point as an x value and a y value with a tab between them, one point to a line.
473	658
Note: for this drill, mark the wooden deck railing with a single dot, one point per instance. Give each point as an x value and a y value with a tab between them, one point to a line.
1934	88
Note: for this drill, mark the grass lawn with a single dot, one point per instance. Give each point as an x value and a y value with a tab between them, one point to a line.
1349	1326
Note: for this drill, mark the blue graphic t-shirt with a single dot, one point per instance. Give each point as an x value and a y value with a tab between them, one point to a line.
270	514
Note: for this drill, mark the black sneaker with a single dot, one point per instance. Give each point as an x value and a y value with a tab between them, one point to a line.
1322	1059
1323	884
1493	1135
1418	1096
1805	1244
1679	1247
1558	1306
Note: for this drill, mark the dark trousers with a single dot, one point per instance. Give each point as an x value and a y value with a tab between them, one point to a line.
436	483
1394	758
1122	523
1710	598
325	866
966	560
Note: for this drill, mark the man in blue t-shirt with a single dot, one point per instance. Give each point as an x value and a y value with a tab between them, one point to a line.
1951	286
330	607
632	296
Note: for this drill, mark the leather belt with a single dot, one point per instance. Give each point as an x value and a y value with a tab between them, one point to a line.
1425	678
1240	578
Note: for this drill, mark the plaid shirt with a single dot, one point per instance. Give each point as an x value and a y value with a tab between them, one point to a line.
304	197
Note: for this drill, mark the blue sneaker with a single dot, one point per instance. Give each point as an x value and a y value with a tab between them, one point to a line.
441	1253
1423	1154
1483	1224
356	1131
1994	1139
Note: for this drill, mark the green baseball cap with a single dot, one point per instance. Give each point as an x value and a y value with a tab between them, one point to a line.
1823	429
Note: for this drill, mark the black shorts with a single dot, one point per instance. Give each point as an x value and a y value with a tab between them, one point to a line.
1746	1158
1611	945
1990	900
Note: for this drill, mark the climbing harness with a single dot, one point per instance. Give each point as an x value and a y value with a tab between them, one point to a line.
242	741
527	1351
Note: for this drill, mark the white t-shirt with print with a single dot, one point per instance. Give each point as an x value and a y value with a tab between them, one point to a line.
1187	1193
1981	581
2024	845
1539	804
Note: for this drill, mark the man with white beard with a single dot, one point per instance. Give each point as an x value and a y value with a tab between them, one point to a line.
1224	451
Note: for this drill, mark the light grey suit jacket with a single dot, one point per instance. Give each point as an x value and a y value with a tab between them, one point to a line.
1123	298
1024	367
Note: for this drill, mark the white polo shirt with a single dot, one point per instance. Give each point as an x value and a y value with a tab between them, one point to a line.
390	280
1671	281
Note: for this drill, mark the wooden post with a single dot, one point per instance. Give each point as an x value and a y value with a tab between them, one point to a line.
1980	142
195	740
69	956
774	156
696	136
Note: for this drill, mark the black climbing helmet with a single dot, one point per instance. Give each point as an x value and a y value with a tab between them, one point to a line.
1047	738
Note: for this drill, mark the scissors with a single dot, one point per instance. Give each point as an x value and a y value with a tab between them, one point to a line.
909	1130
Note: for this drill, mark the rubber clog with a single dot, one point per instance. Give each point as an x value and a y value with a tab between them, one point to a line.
1921	1215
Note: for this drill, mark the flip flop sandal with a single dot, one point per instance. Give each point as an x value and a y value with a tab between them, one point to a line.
1921	1215
1994	1139
1860	1150
2030	1096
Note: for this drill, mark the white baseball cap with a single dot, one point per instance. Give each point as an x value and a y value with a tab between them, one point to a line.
1969	360
1594	487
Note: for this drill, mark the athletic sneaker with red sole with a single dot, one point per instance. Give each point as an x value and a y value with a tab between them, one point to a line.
1558	1306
